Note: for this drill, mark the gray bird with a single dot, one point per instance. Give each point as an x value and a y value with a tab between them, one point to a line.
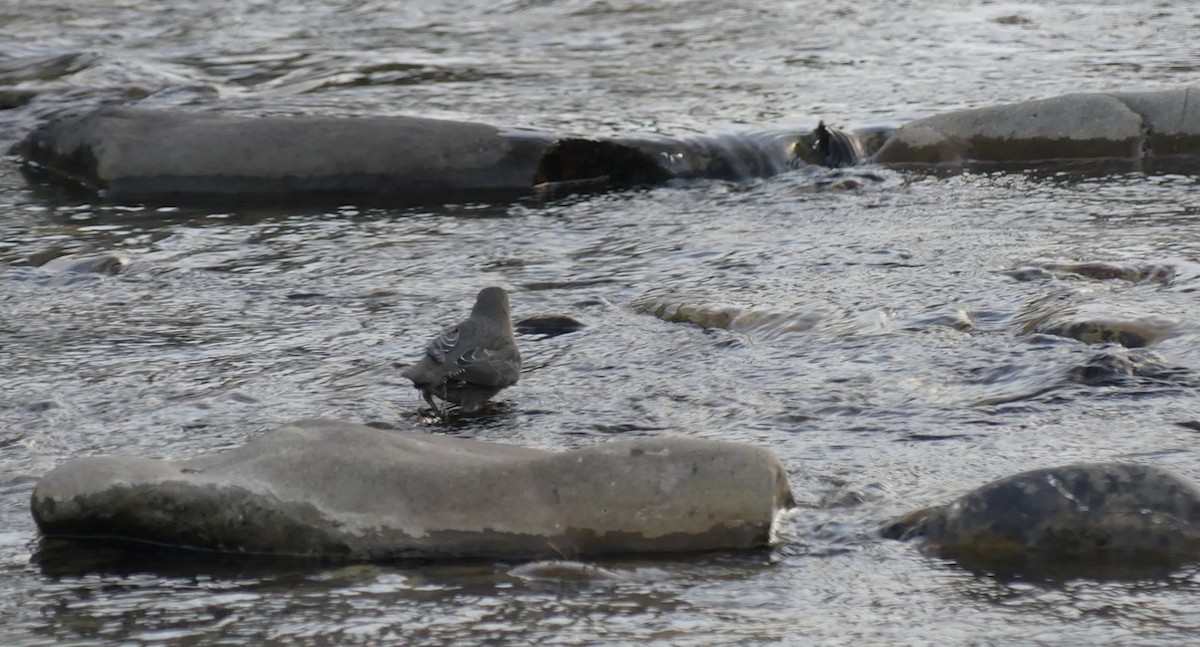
471	361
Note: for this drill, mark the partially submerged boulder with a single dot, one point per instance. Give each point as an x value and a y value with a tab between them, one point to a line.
177	156
1130	271
1094	318
1085	126
1077	511
728	317
139	154
325	488
132	154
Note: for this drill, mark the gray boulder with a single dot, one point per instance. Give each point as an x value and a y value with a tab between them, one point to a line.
332	489
129	153
1078	511
180	156
1121	126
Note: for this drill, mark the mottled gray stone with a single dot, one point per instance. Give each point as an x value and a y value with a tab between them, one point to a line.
1082	510
332	489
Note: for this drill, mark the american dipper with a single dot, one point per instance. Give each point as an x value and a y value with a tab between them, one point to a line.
471	361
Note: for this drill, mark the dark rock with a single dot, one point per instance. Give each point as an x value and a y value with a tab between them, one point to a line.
1084	510
172	156
548	325
140	154
13	98
336	490
574	164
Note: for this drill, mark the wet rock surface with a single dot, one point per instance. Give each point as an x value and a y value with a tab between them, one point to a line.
120	152
1125	515
1094	319
1124	126
322	488
728	317
1118	510
1132	272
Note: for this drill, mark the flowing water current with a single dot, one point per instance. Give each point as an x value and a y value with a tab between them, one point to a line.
896	341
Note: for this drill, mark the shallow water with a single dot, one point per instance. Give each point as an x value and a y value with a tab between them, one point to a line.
896	346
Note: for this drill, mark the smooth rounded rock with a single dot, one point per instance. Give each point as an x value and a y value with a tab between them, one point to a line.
130	153
1073	126
326	488
107	264
178	156
1083	510
1126	126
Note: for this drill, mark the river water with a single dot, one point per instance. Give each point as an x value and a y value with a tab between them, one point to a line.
908	356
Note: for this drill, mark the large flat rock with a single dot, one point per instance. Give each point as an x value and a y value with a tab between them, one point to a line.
1085	126
178	156
332	489
186	157
131	153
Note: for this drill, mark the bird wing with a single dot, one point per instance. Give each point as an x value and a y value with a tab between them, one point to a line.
488	367
440	347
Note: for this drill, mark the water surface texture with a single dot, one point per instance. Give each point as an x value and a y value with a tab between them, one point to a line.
897	338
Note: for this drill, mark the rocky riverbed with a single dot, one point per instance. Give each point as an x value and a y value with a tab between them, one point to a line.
898	337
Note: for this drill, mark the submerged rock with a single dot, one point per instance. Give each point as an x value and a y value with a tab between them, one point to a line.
564	571
1096	328
1080	511
548	325
1113	365
728	317
1133	272
103	263
170	155
1062	314
331	489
